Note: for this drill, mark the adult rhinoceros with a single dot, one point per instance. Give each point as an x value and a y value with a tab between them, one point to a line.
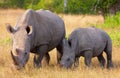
37	32
87	42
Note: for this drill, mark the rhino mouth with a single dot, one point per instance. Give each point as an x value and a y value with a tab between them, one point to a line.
16	62
64	65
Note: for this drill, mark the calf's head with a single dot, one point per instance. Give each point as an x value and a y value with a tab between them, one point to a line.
68	55
21	44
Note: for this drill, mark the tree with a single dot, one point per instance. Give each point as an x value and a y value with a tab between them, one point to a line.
107	6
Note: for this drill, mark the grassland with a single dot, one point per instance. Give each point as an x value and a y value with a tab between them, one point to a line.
53	71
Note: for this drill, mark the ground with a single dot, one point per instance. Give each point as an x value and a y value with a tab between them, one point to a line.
53	70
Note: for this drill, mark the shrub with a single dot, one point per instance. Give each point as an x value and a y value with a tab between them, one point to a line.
112	21
80	6
73	6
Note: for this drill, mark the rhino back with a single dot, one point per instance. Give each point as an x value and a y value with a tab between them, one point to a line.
55	29
48	28
89	39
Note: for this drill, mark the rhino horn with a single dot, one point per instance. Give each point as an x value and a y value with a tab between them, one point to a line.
14	58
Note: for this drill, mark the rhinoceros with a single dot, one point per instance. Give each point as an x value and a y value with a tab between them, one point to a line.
87	42
37	32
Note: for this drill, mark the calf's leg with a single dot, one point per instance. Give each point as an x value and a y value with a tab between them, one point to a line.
101	60
108	51
88	57
109	59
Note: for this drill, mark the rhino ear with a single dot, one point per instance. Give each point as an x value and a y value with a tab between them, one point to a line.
29	30
10	29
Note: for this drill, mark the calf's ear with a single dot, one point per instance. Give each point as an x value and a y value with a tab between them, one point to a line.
9	28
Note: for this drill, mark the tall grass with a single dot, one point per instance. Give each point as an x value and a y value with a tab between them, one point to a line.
5	41
53	70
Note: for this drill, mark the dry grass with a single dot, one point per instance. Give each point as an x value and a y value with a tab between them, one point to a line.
53	71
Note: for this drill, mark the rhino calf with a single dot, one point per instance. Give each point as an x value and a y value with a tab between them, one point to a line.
87	42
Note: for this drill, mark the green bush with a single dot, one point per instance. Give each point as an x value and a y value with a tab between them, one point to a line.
58	6
38	4
11	3
73	6
27	4
112	21
80	6
115	36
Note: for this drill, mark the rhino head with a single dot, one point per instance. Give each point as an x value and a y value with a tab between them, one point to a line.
21	44
68	55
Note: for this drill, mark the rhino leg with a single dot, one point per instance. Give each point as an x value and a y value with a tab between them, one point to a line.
46	59
109	59
88	57
76	64
101	60
59	53
108	51
42	50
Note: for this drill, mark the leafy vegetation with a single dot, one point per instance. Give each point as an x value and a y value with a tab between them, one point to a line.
112	21
73	6
80	6
115	36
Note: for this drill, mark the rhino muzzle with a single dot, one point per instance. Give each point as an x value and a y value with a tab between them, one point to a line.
16	62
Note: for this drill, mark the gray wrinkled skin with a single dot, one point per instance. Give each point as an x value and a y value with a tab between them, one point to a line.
37	32
87	42
68	55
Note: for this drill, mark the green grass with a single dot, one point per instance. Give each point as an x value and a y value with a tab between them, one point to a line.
111	21
5	41
53	70
115	36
